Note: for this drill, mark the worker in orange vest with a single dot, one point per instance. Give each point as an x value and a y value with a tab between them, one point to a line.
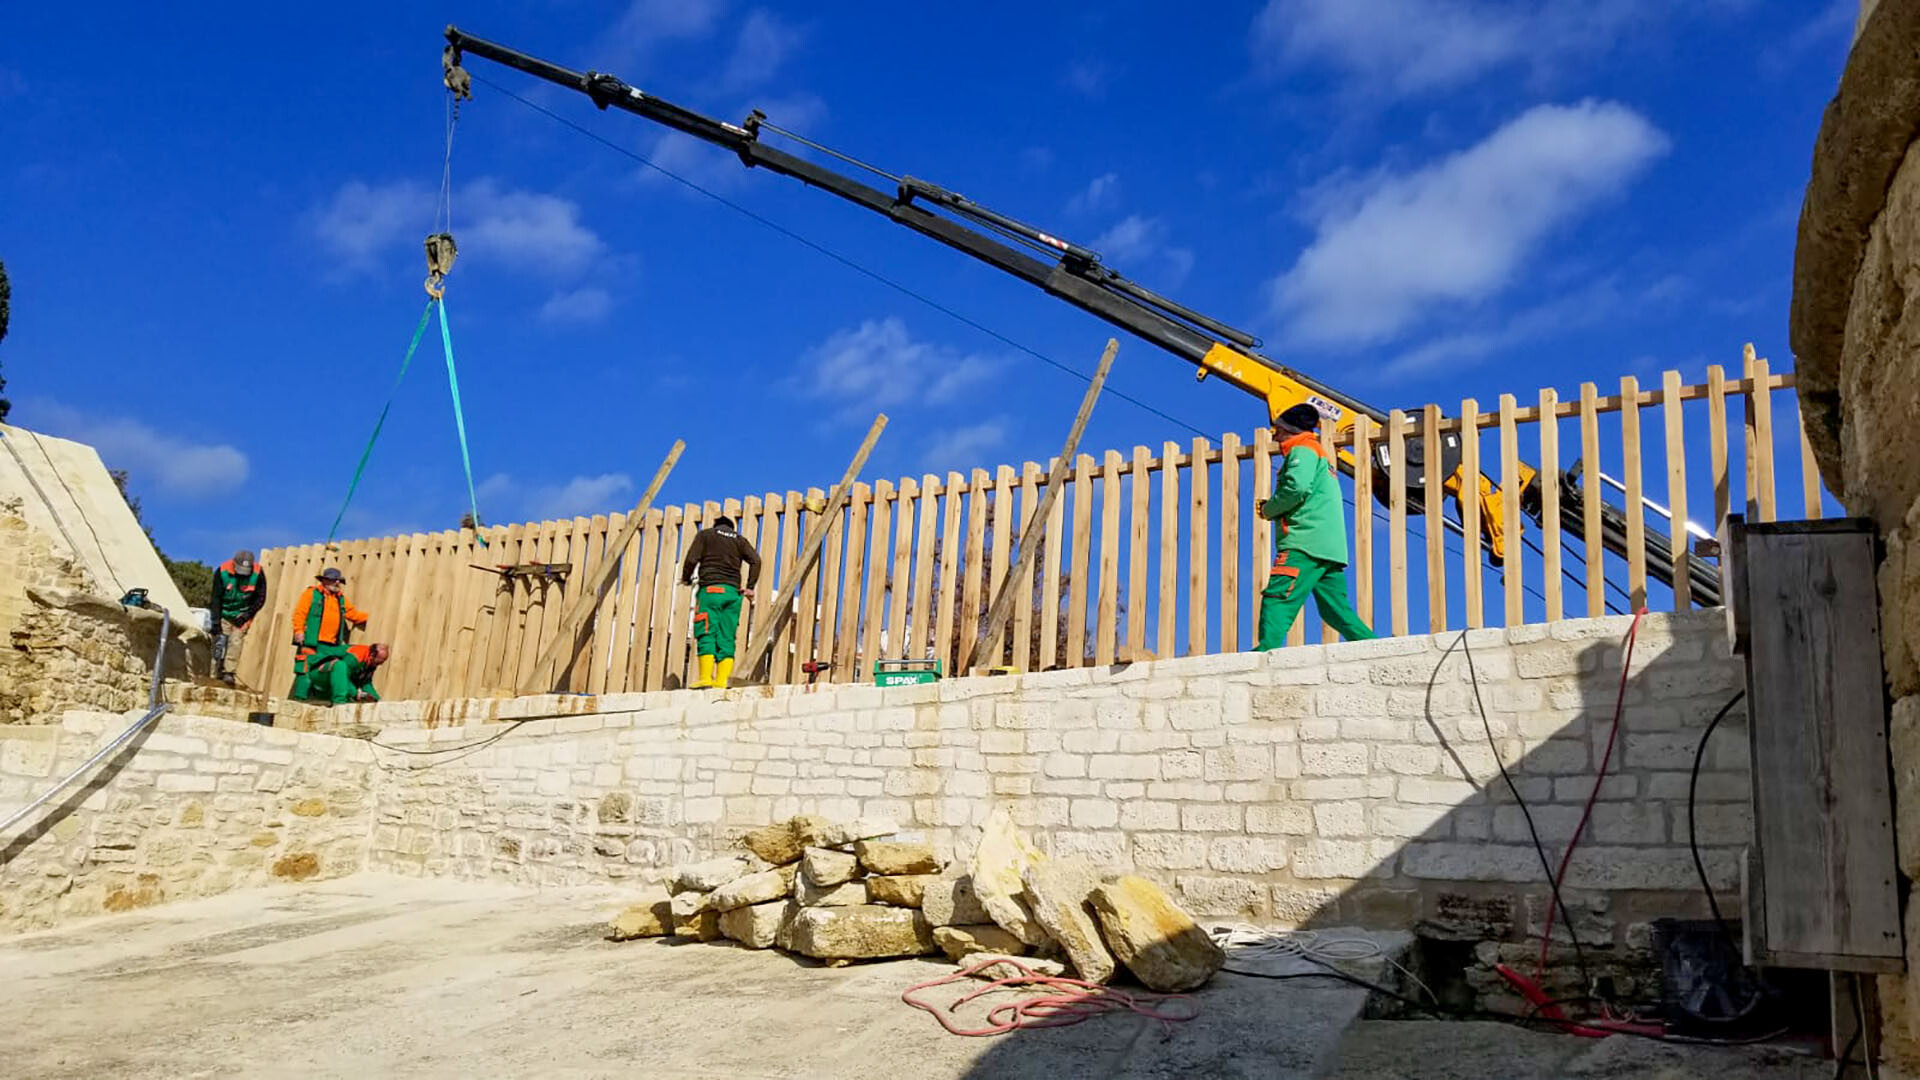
321	618
339	680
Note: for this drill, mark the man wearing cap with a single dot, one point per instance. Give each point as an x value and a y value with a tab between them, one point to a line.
340	680
239	591
718	550
320	620
1310	551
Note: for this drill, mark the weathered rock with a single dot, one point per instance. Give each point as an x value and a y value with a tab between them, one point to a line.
1149	933
959	942
702	927
651	918
760	888
822	867
757	926
1058	891
777	844
864	932
949	901
900	890
1001	857
783	937
710	875
845	894
1002	967
685	905
842	833
893	857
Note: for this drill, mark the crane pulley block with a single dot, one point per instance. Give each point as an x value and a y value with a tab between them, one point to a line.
441	251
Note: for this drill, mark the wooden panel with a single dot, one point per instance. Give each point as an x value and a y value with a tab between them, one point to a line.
442	615
875	607
834	624
1139	590
1198	499
406	654
1327	633
1551	539
1750	412
491	666
748	525
1230	597
810	642
1717	440
665	586
1634	497
1050	580
1590	501
1682	561
680	607
1167	598
1022	640
1107	634
1470	561
901	582
1362	518
1810	502
967	626
950	559
645	567
923	569
1822	803
1762	448
782	662
1512	573
1005	532
1079	557
1397	518
1263	447
846	650
1433	527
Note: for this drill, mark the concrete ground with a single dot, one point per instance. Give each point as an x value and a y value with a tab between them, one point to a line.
376	975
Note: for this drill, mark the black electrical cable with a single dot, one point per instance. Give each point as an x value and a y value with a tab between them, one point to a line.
1693	834
475	745
1846	1056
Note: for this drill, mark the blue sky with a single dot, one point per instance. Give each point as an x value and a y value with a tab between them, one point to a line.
212	222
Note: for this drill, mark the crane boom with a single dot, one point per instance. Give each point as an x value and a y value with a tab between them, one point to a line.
1078	275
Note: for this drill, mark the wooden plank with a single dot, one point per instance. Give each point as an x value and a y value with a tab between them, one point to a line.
1433	504
1590	502
1327	440
632	653
1551	539
1362	519
1198	502
679	629
947	621
1681	547
1634	497
901	583
1055	536
543	600
665	586
579	552
923	569
974	558
1024	568
1513	526
439	630
1471	562
832	621
1763	441
1139	590
489	673
806	618
780	660
1263	447
406	658
1004	530
846	650
1717	439
1079	560
873	626
1230	597
1106	643
1397	518
469	592
1168	598
1822	801
1811	505
1750	411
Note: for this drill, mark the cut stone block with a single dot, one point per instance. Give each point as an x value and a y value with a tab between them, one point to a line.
822	867
1149	933
842	833
949	901
845	894
685	905
702	927
900	890
1001	857
1058	891
651	918
866	932
960	942
757	926
776	844
893	857
760	888
710	875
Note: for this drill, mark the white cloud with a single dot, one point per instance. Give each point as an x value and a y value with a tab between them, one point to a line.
1101	193
1589	306
362	225
577	307
1415	46
1138	246
963	446
646	24
764	44
581	495
1088	78
879	365
162	462
1455	231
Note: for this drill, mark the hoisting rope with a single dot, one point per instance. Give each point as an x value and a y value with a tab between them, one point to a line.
459	419
367	451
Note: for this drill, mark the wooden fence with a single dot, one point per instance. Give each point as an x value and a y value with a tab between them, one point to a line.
1146	554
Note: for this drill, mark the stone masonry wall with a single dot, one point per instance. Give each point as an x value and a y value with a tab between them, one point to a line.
1348	783
194	806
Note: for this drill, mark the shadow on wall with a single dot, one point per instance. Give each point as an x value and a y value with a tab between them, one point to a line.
48	818
1465	875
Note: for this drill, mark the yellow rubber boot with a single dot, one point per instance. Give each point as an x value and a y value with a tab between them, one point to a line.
706	673
725	672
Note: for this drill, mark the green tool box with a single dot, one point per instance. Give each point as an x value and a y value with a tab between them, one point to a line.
905	672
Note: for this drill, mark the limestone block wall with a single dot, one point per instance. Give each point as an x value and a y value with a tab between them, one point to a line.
1349	783
192	807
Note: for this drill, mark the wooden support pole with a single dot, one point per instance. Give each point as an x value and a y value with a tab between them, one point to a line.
594	586
779	605
990	643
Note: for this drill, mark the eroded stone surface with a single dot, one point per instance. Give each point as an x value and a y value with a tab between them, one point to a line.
1058	890
949	901
960	942
1001	857
894	857
842	833
711	874
757	926
650	918
776	844
760	888
845	894
864	932
1149	933
822	867
903	890
702	927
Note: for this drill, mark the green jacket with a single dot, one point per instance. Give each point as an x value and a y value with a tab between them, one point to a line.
1307	504
237	598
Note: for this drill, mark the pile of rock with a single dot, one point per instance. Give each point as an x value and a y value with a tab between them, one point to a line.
839	892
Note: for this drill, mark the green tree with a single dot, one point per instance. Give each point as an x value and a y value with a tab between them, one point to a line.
194	577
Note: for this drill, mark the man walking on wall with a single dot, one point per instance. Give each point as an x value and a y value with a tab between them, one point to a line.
718	551
239	591
320	620
1310	552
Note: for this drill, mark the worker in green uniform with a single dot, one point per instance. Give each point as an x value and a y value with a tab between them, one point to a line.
239	592
344	677
1310	550
718	552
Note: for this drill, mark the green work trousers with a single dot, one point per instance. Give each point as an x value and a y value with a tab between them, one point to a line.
332	678
311	668
1294	576
716	621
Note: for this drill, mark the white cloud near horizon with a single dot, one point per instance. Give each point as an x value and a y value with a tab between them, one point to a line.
361	225
1102	193
879	364
578	496
1456	231
162	463
963	446
1141	243
764	44
576	307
